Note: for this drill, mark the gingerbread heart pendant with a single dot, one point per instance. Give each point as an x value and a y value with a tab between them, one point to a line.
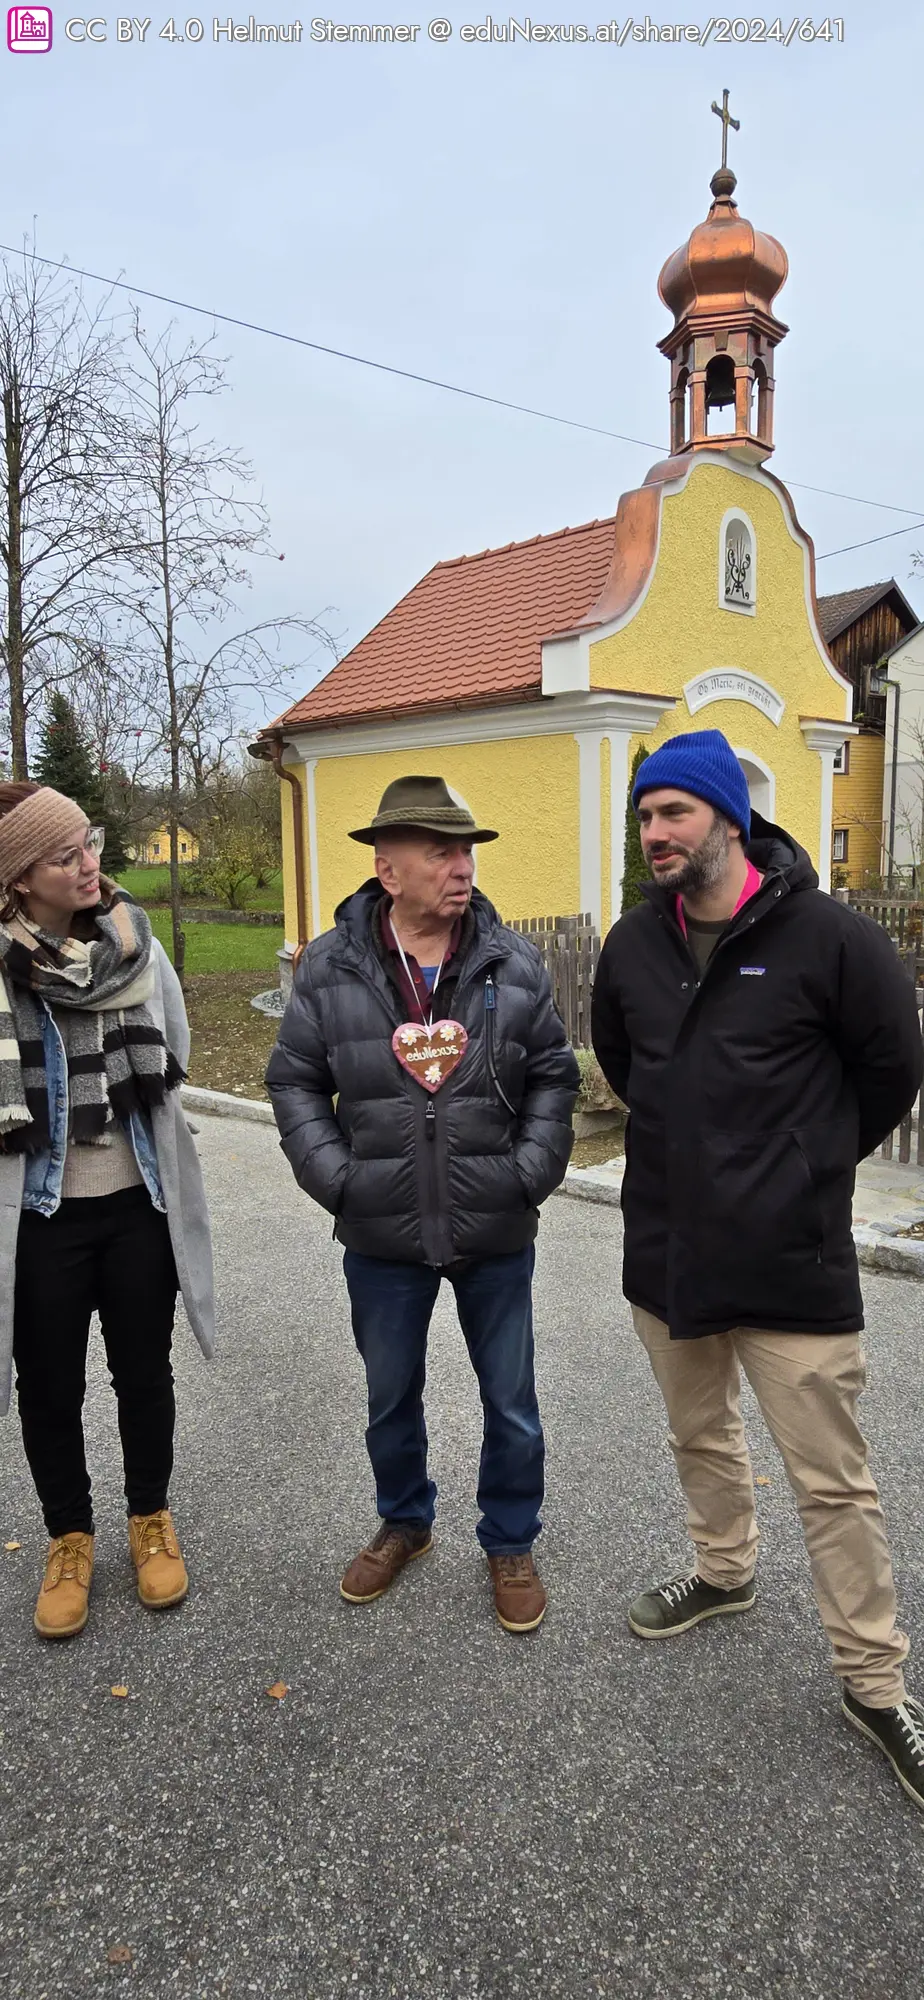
430	1054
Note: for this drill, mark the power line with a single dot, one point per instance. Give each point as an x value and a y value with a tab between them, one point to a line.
886	505
850	546
337	353
434	382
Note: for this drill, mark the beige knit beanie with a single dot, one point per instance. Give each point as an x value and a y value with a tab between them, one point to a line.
42	822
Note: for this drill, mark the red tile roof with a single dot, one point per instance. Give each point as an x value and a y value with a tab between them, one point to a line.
469	632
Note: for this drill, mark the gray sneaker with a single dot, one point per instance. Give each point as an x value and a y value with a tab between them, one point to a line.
685	1601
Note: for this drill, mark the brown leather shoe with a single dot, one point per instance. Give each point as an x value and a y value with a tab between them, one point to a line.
160	1568
375	1568
64	1600
519	1595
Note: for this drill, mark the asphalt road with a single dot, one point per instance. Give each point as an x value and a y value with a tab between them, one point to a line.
437	1809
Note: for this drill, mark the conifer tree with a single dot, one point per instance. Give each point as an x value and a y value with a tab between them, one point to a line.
635	871
66	762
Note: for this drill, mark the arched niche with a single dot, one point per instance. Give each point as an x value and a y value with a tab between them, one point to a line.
737	562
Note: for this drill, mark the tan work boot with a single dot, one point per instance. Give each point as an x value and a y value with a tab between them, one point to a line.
161	1571
64	1600
519	1596
371	1572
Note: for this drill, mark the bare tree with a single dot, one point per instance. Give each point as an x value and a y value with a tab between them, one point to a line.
212	737
196	536
63	497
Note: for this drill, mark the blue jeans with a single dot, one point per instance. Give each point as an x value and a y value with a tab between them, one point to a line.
392	1307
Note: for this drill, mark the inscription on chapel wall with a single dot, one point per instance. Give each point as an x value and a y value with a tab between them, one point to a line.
728	685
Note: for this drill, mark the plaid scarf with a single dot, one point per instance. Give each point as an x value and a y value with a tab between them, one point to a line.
117	1059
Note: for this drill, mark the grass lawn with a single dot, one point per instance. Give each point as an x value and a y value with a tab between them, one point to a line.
225	947
152	886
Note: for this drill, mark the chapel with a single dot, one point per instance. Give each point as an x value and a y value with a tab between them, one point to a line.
528	675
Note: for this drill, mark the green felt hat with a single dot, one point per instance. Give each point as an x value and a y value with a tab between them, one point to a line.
421	805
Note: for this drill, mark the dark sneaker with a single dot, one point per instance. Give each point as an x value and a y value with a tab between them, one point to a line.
899	1733
375	1568
675	1606
519	1594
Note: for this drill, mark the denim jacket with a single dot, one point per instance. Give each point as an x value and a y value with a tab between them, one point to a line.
45	1171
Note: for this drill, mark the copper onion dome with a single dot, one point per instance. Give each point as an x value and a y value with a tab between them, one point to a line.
726	265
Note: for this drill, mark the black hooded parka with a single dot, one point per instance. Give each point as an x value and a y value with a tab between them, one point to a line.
412	1177
753	1091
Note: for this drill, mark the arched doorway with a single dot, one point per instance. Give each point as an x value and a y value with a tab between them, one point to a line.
761	783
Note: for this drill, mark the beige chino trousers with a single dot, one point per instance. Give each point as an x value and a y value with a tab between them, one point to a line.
808	1386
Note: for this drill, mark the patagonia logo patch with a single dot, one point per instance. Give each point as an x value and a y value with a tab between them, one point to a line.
752	971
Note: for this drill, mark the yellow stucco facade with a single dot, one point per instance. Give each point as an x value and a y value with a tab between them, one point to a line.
155	847
551	772
523	786
858	813
682	630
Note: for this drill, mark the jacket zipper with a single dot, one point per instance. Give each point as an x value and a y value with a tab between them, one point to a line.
429	1166
490	1009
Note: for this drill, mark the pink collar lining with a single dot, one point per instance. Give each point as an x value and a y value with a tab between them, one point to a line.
752	882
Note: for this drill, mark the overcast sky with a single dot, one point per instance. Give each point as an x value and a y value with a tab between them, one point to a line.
496	216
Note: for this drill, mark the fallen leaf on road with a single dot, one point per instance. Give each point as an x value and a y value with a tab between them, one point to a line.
120	1954
10	1546
121	1691
760	1481
278	1690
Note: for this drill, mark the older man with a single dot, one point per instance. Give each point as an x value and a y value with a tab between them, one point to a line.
433	1028
765	1039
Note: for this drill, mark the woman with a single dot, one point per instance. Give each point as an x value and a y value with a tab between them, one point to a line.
101	1199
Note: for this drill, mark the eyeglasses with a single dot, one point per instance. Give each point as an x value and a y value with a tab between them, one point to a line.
70	863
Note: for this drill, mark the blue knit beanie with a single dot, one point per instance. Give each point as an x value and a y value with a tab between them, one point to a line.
705	764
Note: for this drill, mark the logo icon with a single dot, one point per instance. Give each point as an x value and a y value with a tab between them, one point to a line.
28	31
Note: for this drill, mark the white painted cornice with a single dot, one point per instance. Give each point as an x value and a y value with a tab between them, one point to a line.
826	735
600	709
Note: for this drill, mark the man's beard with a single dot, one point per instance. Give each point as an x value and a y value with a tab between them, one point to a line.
704	868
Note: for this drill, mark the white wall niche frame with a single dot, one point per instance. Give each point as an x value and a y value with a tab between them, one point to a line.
735	517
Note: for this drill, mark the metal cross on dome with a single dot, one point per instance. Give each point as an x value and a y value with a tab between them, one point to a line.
722	111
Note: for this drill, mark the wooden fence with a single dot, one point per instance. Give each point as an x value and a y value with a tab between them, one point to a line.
570	948
902	917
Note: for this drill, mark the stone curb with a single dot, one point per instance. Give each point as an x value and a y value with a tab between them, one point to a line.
904	1259
588	1190
874	1251
223	1104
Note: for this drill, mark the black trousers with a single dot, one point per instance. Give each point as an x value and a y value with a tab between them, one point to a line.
111	1254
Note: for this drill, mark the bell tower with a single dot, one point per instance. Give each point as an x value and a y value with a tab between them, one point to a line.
720	286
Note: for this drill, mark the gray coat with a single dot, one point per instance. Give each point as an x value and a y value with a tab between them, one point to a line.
180	1177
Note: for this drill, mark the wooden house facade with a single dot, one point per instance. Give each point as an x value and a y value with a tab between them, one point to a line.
860	628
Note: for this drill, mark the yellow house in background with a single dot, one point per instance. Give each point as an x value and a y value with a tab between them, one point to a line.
527	675
156	846
862	628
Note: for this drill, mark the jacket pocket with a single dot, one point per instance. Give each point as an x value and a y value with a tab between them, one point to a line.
747	1232
340	1209
756	1188
829	1151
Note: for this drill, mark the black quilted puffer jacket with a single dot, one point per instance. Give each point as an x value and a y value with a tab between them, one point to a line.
418	1178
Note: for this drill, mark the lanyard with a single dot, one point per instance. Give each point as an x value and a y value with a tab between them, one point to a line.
428	1023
